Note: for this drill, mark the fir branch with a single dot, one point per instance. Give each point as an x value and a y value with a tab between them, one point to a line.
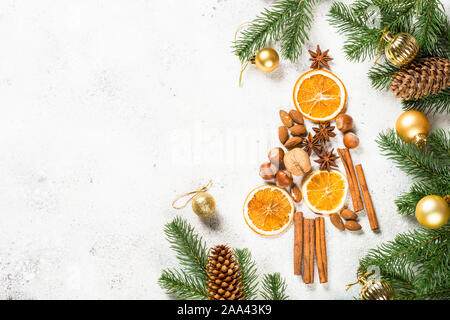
439	142
182	285
436	103
381	75
266	28
296	30
248	269
361	40
423	18
190	248
430	24
406	203
411	159
274	287
416	263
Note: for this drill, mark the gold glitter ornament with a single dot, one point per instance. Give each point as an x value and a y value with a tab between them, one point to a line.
432	211
203	204
401	48
374	289
413	127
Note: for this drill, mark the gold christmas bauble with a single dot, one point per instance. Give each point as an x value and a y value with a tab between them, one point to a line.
401	48
267	59
413	127
432	212
375	289
203	204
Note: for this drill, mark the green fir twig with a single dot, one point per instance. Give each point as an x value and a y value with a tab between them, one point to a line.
381	75
249	275
190	248
274	287
296	30
407	202
416	263
182	285
286	20
436	103
412	159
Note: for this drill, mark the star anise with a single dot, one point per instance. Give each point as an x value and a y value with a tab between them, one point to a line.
326	159
323	132
310	144
319	58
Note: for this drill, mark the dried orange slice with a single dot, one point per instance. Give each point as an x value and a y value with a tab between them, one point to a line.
268	210
325	192
319	95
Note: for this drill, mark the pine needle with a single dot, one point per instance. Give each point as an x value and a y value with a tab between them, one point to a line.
274	287
436	103
182	285
407	202
286	20
412	159
416	263
248	269
190	248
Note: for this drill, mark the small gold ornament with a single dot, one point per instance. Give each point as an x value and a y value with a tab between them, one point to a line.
374	289
432	212
413	127
266	59
203	204
401	48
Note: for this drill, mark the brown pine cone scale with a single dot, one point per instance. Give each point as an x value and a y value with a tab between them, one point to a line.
224	275
421	78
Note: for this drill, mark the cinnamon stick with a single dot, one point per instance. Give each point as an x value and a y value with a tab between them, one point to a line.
367	199
351	177
308	250
321	253
298	242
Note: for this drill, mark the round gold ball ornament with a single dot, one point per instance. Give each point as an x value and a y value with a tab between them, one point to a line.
203	204
401	48
413	127
266	59
374	289
432	211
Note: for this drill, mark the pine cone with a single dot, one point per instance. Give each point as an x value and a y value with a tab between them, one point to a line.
421	78
224	275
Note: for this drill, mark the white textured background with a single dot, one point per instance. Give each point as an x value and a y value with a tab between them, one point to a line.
109	109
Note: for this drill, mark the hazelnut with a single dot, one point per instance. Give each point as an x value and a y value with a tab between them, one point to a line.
283	178
351	140
267	171
276	156
344	122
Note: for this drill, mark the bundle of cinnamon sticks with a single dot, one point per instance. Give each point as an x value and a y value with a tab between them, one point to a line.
353	180
309	238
